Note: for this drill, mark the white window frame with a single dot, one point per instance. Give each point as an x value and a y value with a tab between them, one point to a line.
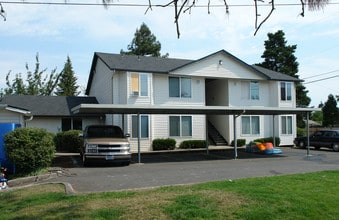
134	128
254	92
249	91
180	87
141	88
251	128
286	91
286	125
181	126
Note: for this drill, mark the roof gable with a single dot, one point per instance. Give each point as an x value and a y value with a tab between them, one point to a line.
47	105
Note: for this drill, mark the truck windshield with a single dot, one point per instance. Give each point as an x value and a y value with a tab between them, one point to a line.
104	132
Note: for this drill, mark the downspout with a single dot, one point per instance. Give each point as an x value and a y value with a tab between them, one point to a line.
28	119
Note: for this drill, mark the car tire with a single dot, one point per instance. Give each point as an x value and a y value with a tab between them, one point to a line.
317	148
302	144
126	163
335	147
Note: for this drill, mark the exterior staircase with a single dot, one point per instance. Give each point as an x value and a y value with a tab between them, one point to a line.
214	136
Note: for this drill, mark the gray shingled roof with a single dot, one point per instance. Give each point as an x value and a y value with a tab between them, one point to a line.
273	75
47	106
148	64
140	63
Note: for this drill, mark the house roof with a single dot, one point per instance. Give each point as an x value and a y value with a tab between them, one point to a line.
14	109
46	106
273	75
133	63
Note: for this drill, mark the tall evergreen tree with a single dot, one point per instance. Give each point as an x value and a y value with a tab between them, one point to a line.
67	84
280	57
330	112
144	43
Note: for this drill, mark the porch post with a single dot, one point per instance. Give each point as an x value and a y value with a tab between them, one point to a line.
235	137
274	144
206	130
308	133
123	122
139	134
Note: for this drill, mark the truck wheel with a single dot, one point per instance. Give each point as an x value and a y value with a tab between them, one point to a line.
335	147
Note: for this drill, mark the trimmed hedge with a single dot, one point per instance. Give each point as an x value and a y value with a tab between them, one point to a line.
163	144
68	141
192	144
30	149
268	139
240	142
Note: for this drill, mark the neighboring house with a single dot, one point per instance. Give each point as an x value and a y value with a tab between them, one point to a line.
10	114
219	79
50	112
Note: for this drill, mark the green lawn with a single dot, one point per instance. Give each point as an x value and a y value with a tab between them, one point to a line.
303	196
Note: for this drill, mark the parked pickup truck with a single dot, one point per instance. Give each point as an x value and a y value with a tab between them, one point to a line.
105	143
322	138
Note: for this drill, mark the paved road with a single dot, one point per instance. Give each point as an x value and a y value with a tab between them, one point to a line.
160	169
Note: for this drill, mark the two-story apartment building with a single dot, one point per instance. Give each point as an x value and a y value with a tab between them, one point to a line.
219	79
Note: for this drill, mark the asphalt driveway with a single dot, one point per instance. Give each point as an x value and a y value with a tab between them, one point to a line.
187	167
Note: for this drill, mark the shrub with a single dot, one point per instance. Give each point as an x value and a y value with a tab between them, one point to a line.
163	144
192	144
301	132
30	149
268	139
240	142
68	141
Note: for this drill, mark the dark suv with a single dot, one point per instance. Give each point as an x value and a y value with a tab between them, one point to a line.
322	138
105	143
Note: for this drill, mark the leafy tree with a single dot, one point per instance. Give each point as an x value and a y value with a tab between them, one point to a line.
36	83
317	116
67	83
144	43
330	112
280	57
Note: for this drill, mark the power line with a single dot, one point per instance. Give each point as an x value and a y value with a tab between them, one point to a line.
146	5
321	74
321	79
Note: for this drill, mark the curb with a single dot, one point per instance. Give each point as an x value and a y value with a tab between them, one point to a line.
31	179
38	179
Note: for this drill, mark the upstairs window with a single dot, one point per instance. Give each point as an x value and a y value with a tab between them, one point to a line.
139	84
179	87
250	90
254	90
285	91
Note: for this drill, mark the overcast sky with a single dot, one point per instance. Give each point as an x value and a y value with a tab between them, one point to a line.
58	31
